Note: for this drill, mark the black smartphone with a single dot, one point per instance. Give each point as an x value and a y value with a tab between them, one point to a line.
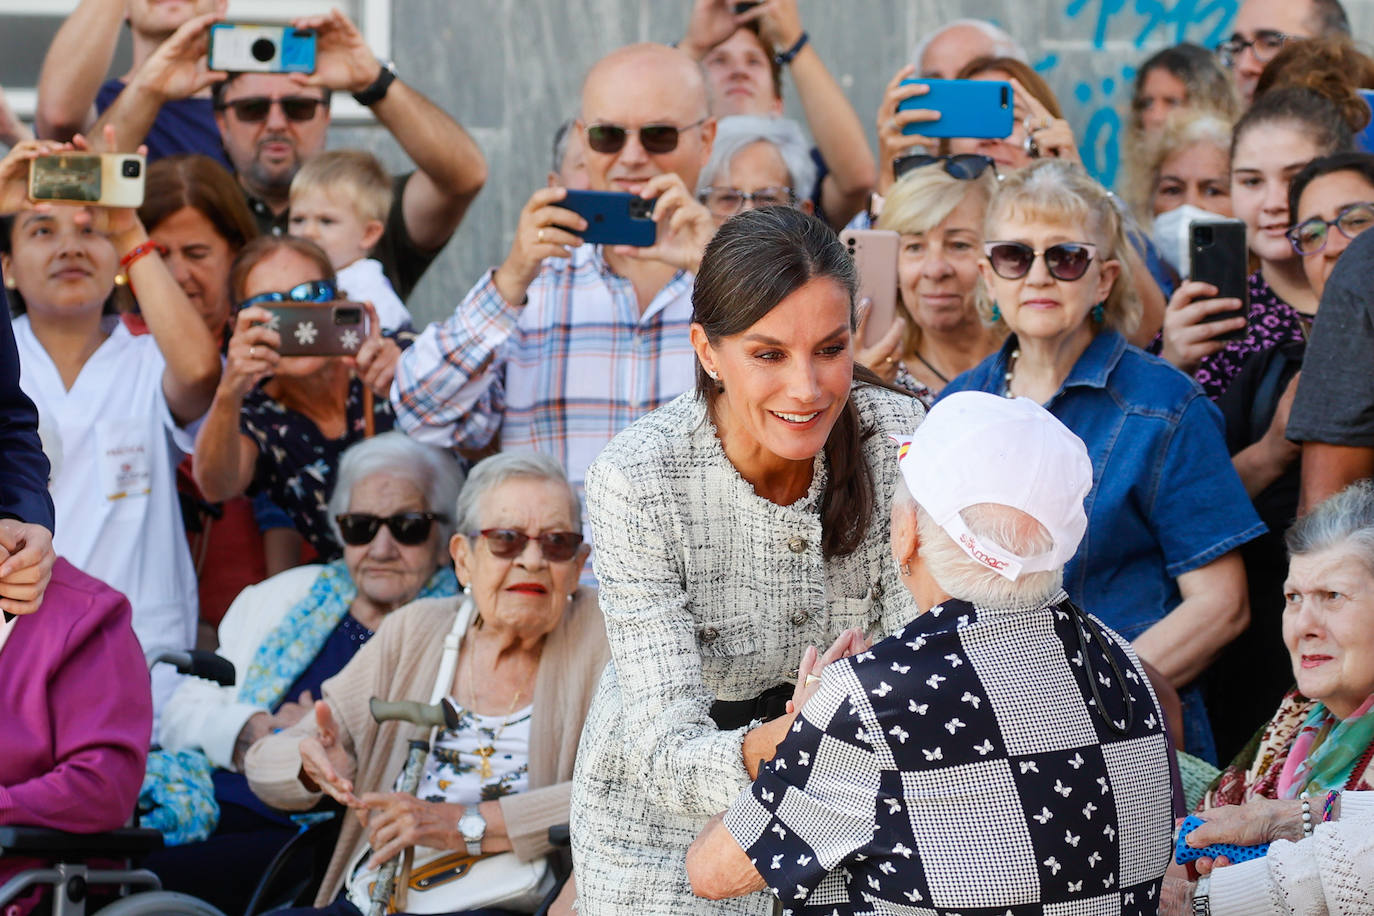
1217	254
745	6
613	217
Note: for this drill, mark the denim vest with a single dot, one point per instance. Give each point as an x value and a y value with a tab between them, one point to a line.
1165	498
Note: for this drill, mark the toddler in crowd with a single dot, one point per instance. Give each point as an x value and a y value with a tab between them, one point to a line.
340	200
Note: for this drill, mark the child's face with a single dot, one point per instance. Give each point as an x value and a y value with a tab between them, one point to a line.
328	221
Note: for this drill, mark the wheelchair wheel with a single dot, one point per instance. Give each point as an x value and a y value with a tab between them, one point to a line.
159	903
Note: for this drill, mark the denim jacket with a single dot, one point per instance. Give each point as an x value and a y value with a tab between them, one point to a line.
1165	498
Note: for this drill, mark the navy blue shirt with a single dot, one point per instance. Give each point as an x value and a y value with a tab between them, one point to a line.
181	126
1165	498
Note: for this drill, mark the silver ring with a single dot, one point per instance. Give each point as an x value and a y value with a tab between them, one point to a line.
540	236
251	352
891	123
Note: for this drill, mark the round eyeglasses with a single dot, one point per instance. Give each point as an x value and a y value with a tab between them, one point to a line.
1309	236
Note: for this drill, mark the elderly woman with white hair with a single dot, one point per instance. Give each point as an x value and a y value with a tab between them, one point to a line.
1001	750
756	162
391	509
524	649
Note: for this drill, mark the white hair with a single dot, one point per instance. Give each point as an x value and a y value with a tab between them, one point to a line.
432	469
735	133
963	577
1003	45
491	472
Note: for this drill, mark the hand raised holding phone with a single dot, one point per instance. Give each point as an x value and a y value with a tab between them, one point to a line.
545	230
14	172
684	224
896	116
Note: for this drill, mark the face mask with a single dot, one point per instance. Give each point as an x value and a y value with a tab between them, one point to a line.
1170	234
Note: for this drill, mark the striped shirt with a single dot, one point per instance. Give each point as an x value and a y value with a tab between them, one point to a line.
561	374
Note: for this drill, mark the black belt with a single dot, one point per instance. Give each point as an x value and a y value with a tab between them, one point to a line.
732	714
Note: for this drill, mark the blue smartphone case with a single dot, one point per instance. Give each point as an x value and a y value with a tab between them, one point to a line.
1183	853
968	108
613	217
1364	140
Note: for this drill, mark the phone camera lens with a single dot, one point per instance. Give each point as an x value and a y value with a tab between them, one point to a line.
131	168
264	49
348	316
1202	236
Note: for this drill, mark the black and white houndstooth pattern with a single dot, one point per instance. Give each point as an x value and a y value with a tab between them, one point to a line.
959	767
709	592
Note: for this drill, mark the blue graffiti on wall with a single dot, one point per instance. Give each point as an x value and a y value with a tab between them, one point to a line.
1156	23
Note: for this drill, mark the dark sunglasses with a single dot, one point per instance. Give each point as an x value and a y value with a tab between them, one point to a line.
508	543
255	108
1309	236
409	528
309	291
1066	261
655	138
964	166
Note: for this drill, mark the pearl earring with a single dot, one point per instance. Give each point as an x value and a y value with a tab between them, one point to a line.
712	375
11	283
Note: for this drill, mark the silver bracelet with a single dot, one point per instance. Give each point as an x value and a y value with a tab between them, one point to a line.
1306	814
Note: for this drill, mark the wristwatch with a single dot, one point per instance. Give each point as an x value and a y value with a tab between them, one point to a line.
1201	905
473	826
377	91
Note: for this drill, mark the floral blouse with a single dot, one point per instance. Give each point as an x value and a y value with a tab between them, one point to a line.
1272	322
297	462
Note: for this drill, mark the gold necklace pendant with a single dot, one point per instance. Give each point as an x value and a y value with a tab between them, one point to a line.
485	753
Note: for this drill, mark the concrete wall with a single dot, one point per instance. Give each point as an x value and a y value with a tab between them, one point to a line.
509	71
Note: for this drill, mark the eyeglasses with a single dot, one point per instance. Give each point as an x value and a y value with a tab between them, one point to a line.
409	528
508	543
1066	261
255	108
655	138
1265	44
1309	236
729	201
964	166
310	291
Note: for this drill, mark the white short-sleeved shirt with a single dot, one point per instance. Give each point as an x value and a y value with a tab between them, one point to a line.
364	281
118	518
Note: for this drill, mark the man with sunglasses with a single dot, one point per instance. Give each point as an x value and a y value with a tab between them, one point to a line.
743	48
1263	27
271	123
70	91
565	343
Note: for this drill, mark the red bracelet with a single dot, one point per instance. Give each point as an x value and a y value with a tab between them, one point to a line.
139	251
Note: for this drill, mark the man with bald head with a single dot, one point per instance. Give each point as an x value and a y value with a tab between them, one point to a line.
1263	27
566	343
949	48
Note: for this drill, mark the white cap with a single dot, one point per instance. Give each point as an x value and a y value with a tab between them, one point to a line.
974	447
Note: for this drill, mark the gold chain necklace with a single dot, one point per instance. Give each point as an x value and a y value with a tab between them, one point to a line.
486	752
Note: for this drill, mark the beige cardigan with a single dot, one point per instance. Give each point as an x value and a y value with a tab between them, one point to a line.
401	663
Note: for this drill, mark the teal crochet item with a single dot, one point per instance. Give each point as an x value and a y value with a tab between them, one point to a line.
178	797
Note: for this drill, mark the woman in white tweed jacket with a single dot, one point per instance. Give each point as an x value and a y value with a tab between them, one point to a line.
734	527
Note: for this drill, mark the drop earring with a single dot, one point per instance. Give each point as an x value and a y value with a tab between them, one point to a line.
906	569
1099	313
996	313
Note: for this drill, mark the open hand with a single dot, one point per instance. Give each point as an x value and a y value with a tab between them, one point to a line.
325	765
179	69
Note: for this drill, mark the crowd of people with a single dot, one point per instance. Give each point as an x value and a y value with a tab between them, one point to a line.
777	604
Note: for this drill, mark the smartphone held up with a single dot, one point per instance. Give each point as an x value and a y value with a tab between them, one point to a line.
613	217
98	179
327	329
875	252
237	47
968	108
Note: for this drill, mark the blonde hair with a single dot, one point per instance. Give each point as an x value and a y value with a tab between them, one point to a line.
1182	129
920	201
351	175
1061	193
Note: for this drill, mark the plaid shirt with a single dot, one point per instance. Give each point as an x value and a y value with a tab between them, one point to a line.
958	766
561	374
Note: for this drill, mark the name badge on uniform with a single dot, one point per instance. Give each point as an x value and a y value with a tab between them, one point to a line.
125	465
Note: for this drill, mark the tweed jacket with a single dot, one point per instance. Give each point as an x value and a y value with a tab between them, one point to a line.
401	663
710	592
